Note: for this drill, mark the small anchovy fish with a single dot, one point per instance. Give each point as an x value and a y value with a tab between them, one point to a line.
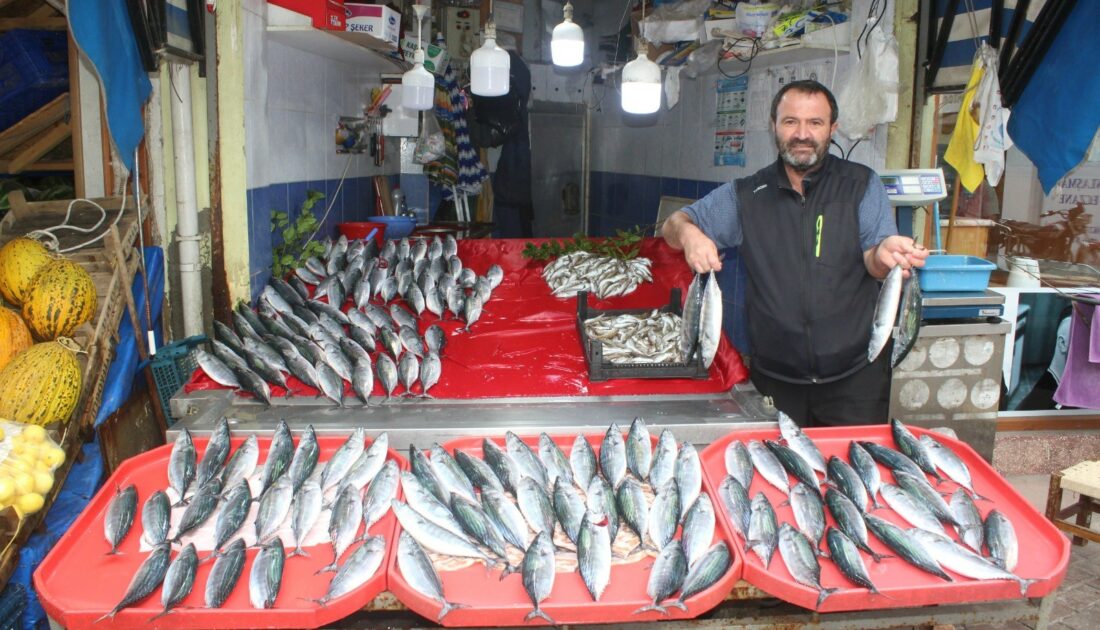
223	577
801	560
666	577
886	311
179	579
148	577
120	516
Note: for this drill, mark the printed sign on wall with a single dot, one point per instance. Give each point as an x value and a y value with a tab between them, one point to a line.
729	137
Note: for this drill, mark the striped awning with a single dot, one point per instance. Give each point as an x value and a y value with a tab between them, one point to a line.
970	25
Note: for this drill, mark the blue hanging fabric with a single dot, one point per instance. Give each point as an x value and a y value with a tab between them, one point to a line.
1056	116
102	31
470	171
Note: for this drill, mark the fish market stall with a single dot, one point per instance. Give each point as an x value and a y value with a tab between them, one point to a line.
520	363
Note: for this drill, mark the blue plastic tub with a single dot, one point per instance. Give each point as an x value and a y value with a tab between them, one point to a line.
397	227
947	273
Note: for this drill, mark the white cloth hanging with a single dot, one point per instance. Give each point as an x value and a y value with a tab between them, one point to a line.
993	140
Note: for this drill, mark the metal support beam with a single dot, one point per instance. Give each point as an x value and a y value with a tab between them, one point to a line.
1035	47
1018	20
935	58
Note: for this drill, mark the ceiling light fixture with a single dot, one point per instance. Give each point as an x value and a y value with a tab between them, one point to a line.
418	85
567	42
641	80
489	65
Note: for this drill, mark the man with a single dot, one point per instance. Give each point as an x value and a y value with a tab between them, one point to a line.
815	232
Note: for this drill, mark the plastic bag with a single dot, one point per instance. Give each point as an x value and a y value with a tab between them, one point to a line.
870	97
702	59
431	145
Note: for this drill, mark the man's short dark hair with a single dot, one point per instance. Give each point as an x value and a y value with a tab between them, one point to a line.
806	87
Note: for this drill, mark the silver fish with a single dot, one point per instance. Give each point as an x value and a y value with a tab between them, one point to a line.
387	373
478	526
419	572
120	516
274	508
613	456
763	529
367	466
357	570
702	574
402	317
433	537
149	576
156	516
501	463
710	322
594	555
639	454
799	443
179	579
479	473
332	385
381	491
408	370
568	507
431	368
243	462
971	529
698	529
663	466
848	481
664	515
735	500
911	508
343	525
428	505
849	520
801	560
538	574
411	341
278	456
809	513
767	464
450	474
200	509
425	473
305	509
868	471
337	360
689	476
506	516
216	369
527	463
845	556
920	489
337	466
633	508
666	577
554	460
362	380
1000	538
692	314
267	575
904	544
913	448
495	275
582	461
950	463
232	514
535	505
909	319
600	500
223	577
435	339
886	311
738	462
472	308
965	562
304	460
181	464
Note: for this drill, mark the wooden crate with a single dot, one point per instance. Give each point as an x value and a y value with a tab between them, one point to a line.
113	280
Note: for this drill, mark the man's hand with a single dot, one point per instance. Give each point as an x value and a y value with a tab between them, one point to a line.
700	252
891	252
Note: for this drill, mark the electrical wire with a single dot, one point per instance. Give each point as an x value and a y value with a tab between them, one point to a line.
729	46
332	202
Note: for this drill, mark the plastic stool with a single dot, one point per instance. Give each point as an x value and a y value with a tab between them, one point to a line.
1084	479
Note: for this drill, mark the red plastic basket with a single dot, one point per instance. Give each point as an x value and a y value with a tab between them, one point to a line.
361	229
1044	551
491	601
75	601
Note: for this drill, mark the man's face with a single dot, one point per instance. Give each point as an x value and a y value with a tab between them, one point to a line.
802	129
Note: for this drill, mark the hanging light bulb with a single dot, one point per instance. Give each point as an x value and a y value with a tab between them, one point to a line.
567	42
641	85
489	65
418	85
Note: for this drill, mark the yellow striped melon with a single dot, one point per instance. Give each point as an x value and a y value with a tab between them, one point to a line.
14	336
20	261
61	298
40	385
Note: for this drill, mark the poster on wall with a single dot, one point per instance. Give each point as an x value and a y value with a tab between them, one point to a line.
1081	186
729	136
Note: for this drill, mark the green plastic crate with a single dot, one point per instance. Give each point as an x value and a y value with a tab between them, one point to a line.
172	366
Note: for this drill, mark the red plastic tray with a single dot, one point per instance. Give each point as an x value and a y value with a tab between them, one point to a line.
1044	551
75	601
491	601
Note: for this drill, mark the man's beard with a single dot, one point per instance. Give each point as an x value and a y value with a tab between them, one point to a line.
792	159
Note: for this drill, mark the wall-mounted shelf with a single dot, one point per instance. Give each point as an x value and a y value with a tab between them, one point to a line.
817	46
296	30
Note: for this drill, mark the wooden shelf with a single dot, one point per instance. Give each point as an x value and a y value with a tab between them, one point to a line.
297	31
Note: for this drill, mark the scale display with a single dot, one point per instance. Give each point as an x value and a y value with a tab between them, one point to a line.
914	187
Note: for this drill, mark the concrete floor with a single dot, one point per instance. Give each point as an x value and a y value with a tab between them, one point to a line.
1077	602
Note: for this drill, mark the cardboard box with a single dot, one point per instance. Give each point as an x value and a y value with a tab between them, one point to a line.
436	58
374	19
325	14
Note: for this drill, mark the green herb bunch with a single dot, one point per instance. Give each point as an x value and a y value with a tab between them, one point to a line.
297	245
625	245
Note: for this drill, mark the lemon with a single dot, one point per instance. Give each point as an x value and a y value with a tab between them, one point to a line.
34	433
29	503
24	483
20	465
18	448
54	456
7	489
1	434
43	481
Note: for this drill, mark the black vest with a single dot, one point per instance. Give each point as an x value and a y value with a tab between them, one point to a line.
809	308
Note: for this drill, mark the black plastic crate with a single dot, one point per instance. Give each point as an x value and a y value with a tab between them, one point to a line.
601	370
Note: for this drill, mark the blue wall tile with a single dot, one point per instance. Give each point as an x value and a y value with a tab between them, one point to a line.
704	188
670	186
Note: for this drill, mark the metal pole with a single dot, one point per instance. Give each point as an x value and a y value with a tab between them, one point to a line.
944	31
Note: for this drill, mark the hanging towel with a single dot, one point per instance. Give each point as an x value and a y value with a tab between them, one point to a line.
1056	116
102	31
1094	339
960	149
993	138
461	167
1080	384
